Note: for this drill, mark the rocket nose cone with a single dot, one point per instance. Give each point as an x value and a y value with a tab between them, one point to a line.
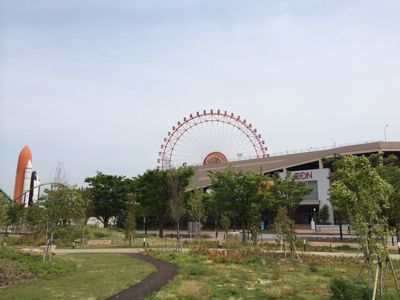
25	154
28	164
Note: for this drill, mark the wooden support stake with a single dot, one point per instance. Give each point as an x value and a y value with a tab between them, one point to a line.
375	282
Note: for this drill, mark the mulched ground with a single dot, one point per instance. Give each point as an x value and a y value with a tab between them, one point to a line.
165	272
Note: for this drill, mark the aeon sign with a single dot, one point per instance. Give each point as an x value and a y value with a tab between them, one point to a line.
303	175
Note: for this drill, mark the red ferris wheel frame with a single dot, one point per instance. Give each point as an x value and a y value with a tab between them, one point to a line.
174	136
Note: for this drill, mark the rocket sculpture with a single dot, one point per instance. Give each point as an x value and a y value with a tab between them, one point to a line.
27	182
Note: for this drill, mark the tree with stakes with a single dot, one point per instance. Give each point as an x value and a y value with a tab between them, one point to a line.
364	195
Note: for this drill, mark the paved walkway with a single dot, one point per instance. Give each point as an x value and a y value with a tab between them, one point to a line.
166	271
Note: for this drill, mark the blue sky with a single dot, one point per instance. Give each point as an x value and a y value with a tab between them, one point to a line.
98	84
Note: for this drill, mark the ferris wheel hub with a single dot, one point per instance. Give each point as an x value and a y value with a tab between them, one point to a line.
214	158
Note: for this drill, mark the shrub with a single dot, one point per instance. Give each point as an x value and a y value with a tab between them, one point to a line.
26	240
347	290
253	259
323	214
64	236
313	268
195	270
344	247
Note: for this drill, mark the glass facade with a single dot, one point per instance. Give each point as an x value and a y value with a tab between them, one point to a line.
314	193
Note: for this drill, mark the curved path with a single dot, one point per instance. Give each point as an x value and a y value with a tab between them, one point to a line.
152	283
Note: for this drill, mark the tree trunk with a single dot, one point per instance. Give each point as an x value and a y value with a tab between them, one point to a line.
178	237
243	233
145	225
216	227
397	232
161	226
340	228
105	222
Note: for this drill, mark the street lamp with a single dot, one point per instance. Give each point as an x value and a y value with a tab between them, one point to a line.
384	130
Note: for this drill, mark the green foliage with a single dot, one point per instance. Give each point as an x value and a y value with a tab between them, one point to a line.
344	248
3	210
109	195
36	219
323	214
66	235
225	222
362	195
35	264
26	240
389	170
16	216
346	290
239	194
178	180
152	193
195	269
130	222
196	209
63	206
284	228
285	192
253	259
313	268
96	276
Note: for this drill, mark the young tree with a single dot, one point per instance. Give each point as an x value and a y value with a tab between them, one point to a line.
130	222
323	214
225	224
3	211
285	192
196	209
284	228
178	180
358	189
214	208
36	219
16	217
241	193
60	208
389	170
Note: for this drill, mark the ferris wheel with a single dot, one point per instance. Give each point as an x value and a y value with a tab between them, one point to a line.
210	137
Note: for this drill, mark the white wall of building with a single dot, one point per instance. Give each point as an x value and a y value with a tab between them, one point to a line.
321	176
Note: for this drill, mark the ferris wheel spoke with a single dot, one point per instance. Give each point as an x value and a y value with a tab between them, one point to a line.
219	134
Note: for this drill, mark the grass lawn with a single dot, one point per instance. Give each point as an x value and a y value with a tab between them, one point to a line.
95	277
256	276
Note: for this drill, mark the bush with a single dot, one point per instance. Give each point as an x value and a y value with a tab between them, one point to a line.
253	259
344	248
347	290
323	214
195	270
64	236
26	239
313	268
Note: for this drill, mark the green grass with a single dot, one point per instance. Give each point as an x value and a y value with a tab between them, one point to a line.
255	275
17	266
95	277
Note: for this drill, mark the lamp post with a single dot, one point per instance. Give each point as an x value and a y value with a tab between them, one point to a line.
384	130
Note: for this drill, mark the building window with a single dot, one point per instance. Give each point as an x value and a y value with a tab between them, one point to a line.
314	193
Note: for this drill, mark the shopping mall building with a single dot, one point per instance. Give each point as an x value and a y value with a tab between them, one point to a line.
306	166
